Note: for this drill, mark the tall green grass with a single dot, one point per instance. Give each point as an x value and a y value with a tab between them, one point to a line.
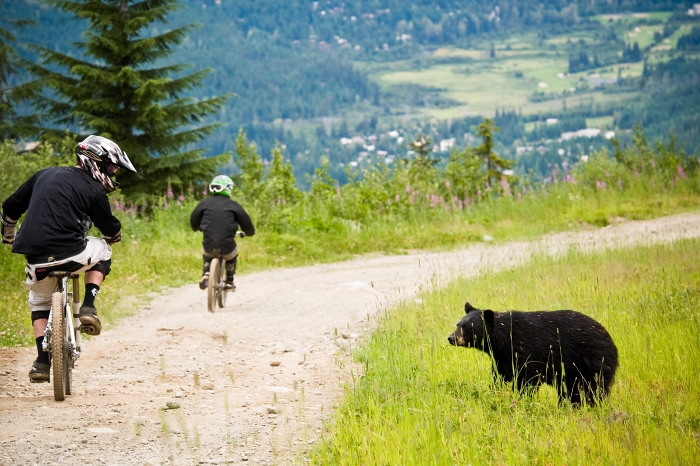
417	400
159	250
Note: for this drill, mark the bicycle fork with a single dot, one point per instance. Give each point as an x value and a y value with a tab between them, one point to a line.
71	313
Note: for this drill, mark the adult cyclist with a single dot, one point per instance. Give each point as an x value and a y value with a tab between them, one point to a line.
219	217
61	204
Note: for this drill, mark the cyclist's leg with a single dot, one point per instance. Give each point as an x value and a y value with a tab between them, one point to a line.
40	303
231	260
206	264
97	262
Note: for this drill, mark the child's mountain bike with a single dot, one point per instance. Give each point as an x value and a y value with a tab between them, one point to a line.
62	334
216	288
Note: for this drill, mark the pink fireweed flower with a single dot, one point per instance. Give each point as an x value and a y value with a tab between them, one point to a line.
447	184
408	188
607	175
169	192
636	173
204	192
680	171
181	198
398	198
653	164
165	206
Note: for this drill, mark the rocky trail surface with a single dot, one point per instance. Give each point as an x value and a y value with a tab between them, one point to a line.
253	382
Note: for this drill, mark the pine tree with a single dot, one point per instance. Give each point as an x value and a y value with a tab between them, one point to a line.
10	122
494	163
117	90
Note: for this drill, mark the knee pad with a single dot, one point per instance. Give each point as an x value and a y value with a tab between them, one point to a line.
103	266
36	315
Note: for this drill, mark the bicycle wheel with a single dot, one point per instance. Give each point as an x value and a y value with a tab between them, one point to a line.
58	339
67	367
222	284
214	278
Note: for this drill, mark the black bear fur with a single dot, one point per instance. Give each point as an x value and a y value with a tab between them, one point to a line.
565	349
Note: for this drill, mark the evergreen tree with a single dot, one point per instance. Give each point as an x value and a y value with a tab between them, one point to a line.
10	122
117	90
494	163
251	166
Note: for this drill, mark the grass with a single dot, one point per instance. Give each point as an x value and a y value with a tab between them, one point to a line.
162	252
420	401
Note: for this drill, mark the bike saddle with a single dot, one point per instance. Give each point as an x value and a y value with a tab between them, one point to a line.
62	273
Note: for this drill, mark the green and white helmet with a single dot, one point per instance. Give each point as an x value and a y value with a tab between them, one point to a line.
222	184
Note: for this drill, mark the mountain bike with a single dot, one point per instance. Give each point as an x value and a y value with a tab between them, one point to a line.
216	288
62	335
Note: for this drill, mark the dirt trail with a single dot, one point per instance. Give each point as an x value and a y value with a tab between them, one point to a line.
235	406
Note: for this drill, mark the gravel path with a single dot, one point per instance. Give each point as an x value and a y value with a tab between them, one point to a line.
255	380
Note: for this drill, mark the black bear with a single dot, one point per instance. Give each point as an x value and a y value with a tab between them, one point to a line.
565	349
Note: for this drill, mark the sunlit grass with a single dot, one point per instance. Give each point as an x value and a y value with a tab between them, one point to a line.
161	251
421	401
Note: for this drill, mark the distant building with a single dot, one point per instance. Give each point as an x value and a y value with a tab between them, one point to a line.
582	133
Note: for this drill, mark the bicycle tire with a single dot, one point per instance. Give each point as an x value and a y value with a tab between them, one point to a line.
58	338
221	297
68	367
213	284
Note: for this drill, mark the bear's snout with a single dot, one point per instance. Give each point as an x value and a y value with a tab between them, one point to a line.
456	338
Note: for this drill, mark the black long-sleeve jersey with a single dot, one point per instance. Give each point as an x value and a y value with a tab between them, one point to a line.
61	205
219	217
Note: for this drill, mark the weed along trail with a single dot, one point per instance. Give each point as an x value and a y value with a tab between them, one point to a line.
253	382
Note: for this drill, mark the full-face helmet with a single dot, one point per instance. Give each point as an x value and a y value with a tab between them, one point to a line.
101	158
222	184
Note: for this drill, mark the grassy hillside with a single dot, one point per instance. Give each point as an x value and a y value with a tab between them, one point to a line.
417	400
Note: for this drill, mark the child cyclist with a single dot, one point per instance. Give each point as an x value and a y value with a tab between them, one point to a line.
219	217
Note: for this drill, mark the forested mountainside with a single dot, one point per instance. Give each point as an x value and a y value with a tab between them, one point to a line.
307	73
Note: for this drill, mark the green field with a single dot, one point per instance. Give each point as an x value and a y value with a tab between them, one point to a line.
525	65
416	400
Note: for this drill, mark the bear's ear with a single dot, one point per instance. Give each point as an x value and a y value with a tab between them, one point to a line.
468	307
488	316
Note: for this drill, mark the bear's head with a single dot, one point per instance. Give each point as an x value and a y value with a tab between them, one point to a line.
471	329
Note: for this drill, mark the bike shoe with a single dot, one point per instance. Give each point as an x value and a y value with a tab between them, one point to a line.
40	372
229	286
204	282
90	324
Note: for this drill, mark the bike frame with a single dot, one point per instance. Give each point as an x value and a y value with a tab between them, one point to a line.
71	315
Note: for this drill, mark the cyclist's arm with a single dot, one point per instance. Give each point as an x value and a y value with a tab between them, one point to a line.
102	218
18	202
196	217
244	220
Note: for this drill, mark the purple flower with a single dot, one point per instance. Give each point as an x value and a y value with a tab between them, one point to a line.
181	198
169	192
607	175
408	188
680	171
447	184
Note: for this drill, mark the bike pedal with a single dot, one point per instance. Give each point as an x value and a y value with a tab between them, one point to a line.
87	329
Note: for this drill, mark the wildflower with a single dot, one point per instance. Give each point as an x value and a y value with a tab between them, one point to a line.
408	188
653	164
169	192
607	175
398	198
636	173
680	171
447	184
181	198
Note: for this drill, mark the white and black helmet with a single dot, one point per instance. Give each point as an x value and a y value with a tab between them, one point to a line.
100	158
